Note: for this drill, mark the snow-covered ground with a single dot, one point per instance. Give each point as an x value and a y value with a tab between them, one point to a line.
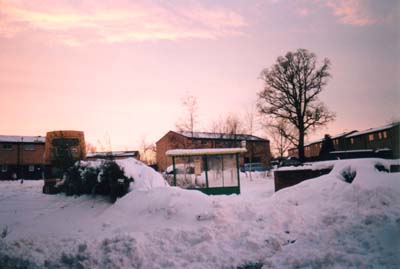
320	223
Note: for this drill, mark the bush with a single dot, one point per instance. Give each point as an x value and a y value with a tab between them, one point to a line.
348	174
108	179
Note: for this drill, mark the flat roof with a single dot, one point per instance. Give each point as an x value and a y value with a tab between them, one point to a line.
204	151
22	139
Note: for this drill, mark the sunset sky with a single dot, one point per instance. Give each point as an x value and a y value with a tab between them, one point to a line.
118	69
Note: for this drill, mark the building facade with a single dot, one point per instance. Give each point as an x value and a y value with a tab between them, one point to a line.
22	157
375	142
258	149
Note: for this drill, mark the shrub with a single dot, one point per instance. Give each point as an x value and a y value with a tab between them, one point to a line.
108	179
348	174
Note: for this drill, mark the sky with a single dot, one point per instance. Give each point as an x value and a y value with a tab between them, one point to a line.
118	70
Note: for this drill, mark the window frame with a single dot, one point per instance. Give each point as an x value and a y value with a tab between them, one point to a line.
31	168
371	137
4	168
5	147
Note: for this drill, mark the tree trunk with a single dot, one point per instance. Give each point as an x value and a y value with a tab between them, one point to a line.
300	147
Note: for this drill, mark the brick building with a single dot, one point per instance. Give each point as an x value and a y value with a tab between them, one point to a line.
258	149
375	142
22	156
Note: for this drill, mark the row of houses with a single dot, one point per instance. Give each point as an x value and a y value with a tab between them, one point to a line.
24	157
374	142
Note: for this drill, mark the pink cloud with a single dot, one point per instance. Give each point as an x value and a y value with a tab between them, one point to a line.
303	12
117	21
363	12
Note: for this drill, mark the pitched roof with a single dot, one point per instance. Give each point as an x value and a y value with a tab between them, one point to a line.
207	151
345	134
132	153
22	139
373	130
222	136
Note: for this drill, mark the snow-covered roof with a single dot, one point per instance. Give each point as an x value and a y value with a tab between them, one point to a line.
206	135
345	134
113	154
373	130
206	151
22	139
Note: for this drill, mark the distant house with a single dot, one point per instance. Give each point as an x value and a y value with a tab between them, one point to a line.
312	149
375	142
113	154
22	156
258	149
383	140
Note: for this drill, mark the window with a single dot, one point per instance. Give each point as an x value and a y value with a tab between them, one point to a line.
384	134
7	147
352	141
65	142
4	168
371	137
31	168
29	147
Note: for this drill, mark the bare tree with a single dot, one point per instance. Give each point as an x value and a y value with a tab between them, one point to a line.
279	133
230	124
189	121
90	148
251	120
292	86
147	152
233	124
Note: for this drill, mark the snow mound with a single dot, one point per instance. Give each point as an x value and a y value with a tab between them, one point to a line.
325	222
145	177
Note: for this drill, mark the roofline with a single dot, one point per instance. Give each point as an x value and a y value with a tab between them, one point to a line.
373	130
170	131
338	136
24	141
205	138
204	151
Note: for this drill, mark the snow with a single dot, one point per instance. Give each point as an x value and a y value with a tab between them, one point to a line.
23	139
145	177
204	151
320	223
345	134
113	154
373	130
206	135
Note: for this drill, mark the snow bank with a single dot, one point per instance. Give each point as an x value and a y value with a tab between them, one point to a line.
326	222
331	223
145	177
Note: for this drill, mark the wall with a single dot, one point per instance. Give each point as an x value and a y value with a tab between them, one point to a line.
28	164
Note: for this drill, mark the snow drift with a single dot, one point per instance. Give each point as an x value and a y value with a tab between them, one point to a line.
324	222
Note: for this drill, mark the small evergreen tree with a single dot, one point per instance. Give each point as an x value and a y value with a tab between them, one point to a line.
326	148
